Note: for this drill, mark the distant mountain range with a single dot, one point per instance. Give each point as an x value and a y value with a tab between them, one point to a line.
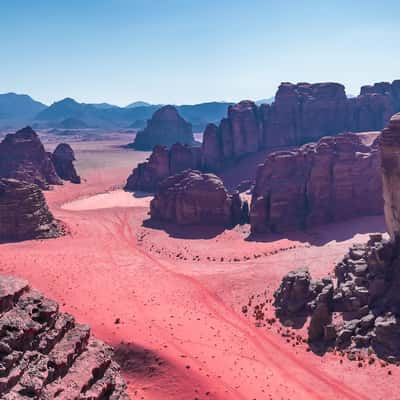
18	110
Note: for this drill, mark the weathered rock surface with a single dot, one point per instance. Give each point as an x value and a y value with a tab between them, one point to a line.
63	159
45	354
335	179
24	213
161	164
166	127
23	157
362	308
194	198
389	143
301	113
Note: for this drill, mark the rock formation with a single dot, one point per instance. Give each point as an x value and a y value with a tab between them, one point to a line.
63	159
23	157
161	164
24	213
361	310
389	142
45	354
335	179
301	113
166	127
194	198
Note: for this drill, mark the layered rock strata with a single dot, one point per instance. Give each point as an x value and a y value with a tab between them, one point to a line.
335	179
165	127
63	159
301	113
195	198
24	213
46	354
361	309
23	157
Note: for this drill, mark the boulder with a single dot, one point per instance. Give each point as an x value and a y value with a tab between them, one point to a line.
63	159
165	127
24	213
194	198
45	354
23	157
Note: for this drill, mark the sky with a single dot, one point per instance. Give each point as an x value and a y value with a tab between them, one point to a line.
191	51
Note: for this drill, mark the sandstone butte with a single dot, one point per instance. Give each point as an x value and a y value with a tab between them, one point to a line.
194	198
359	309
165	127
46	354
332	180
301	113
23	157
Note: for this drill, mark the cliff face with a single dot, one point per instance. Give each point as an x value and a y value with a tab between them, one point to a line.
389	144
46	354
367	280
334	179
23	157
166	127
24	213
300	113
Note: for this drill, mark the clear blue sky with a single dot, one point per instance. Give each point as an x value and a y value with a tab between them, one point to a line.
187	51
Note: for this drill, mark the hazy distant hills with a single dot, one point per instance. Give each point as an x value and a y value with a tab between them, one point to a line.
19	110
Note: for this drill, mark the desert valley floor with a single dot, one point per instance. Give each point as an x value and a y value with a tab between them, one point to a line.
170	301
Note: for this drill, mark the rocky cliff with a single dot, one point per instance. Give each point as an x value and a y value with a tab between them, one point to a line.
389	143
23	157
63	159
360	309
165	127
194	198
335	179
45	354
301	113
24	213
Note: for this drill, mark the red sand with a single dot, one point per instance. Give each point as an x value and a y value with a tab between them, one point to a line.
178	296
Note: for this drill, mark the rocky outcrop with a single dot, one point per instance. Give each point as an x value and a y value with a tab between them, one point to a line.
301	113
389	143
335	179
63	159
45	354
166	127
23	157
361	309
24	213
194	198
161	164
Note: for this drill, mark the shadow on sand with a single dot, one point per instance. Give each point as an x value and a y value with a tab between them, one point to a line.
185	231
334	232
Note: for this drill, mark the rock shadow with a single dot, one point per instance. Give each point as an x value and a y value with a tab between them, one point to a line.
321	235
185	231
138	361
